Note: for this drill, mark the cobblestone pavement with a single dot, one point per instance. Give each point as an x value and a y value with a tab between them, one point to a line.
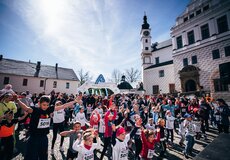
174	153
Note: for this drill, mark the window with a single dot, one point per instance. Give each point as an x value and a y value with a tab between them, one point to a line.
41	83
205	31
222	24
227	51
191	15
215	54
179	42
191	38
55	84
161	73
198	12
147	60
185	61
24	83
219	85
155	89
157	60
205	8
194	59
185	19
146	48
6	80
67	85
146	40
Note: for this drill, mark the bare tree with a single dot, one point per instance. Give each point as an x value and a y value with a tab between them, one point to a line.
116	76
132	75
84	76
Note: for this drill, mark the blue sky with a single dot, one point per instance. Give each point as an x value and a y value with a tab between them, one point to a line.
96	35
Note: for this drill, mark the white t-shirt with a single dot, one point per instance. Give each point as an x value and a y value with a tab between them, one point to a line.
59	116
100	111
83	153
120	150
170	122
81	118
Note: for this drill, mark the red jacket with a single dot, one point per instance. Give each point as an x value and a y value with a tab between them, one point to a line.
94	124
146	145
108	128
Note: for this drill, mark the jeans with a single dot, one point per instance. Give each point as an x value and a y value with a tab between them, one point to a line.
189	145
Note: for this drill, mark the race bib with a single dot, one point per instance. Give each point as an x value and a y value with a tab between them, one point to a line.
95	127
89	156
150	153
44	123
123	154
129	124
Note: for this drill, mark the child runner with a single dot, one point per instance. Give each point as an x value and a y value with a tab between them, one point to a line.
94	120
169	125
161	125
86	148
189	136
7	125
73	135
150	125
37	146
58	125
81	118
148	144
110	117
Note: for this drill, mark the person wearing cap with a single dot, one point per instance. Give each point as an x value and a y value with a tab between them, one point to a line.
7	104
7	125
222	116
110	117
120	144
189	136
73	135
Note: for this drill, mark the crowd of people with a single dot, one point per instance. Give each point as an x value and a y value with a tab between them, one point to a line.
115	126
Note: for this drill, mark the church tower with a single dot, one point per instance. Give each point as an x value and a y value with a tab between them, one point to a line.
146	54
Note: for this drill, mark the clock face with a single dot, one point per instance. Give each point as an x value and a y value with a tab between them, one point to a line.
146	33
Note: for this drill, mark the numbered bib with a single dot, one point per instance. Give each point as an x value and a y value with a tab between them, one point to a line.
44	123
89	156
150	153
129	124
95	127
123	154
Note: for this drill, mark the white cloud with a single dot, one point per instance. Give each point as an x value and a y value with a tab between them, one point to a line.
82	34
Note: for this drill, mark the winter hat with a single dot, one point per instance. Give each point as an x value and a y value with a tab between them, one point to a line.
120	131
187	115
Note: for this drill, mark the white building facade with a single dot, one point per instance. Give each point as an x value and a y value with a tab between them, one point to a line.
198	59
201	48
37	78
157	63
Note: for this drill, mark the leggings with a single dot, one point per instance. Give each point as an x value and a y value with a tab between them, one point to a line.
56	127
169	131
163	147
107	142
7	143
138	145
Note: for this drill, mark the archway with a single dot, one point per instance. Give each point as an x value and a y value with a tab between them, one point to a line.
189	77
190	85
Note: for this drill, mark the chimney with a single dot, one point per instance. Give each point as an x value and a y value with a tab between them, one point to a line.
56	67
38	67
1	57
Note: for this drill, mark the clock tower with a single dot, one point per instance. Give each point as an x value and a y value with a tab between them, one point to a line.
146	54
